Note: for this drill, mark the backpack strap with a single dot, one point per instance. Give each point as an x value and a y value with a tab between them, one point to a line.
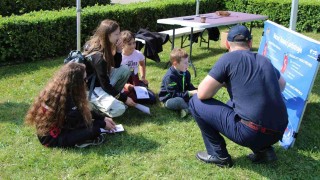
92	76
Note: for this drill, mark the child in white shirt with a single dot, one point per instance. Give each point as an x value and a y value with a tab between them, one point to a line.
135	60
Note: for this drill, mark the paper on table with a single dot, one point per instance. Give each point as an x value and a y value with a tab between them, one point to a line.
143	108
142	92
119	128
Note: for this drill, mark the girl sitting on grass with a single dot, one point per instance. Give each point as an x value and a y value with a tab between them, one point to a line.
61	111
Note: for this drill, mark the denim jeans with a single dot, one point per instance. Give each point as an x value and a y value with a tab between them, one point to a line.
119	77
176	103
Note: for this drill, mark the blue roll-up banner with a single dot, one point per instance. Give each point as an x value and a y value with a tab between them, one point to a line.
297	58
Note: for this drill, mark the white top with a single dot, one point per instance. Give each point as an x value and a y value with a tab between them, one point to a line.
132	61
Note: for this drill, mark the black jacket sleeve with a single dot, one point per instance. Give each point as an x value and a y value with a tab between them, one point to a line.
103	79
117	60
96	116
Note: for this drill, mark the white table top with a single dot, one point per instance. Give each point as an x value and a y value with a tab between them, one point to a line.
212	20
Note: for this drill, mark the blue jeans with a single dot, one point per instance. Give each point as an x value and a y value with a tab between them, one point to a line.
215	119
176	103
119	77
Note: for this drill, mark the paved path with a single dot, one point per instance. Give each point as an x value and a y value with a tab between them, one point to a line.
126	1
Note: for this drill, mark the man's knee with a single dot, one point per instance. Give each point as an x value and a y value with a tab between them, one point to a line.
193	102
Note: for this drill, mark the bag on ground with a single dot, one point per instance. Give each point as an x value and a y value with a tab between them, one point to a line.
106	104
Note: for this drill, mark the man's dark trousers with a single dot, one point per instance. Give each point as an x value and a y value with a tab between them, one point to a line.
214	117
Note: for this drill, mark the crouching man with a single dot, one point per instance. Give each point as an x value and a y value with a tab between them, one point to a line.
254	117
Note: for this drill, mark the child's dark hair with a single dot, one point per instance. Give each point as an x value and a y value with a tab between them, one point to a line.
177	54
126	36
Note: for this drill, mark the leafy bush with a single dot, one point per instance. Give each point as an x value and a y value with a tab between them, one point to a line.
46	34
279	12
18	7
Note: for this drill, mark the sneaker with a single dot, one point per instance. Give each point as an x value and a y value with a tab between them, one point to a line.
264	156
94	142
184	113
221	162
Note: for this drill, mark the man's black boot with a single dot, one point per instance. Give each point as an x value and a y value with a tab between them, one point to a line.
263	156
221	162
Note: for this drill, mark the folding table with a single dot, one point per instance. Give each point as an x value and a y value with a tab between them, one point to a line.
212	20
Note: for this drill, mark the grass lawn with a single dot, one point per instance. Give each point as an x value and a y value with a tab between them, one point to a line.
160	146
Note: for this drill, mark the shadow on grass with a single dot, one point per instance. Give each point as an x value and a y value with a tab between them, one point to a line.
308	134
117	144
159	115
25	68
13	112
123	143
290	164
296	162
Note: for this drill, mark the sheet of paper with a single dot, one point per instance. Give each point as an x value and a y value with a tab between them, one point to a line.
119	128
143	108
142	92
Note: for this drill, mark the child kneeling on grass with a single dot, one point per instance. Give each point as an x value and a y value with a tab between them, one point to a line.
176	87
135	60
61	111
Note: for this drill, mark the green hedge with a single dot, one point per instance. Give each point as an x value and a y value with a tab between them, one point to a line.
18	7
279	12
46	34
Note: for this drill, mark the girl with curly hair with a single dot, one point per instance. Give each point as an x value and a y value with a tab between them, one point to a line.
61	111
104	49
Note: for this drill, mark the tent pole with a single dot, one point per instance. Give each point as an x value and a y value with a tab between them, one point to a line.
78	25
294	14
197	7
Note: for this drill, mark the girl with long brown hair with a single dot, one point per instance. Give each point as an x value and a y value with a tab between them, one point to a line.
61	111
104	50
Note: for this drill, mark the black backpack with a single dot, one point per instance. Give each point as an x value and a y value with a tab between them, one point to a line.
77	57
214	33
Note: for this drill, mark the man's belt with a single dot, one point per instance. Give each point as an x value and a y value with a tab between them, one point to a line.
259	128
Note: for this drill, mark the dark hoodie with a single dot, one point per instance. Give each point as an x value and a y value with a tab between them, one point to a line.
74	129
175	84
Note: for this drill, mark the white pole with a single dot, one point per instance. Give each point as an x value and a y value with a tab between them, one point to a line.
294	14
197	7
78	25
